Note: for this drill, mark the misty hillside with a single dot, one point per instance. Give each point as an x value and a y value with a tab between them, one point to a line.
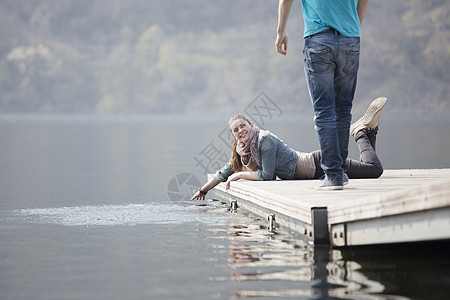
198	56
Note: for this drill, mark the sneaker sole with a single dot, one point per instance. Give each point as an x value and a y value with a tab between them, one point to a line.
371	117
330	188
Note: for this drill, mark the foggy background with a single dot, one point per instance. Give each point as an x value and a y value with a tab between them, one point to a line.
206	57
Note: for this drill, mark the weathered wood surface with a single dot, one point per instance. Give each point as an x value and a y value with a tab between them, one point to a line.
396	192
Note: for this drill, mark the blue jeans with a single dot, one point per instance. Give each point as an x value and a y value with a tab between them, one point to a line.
331	64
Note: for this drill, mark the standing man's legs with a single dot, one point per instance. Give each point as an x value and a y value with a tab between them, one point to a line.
345	85
330	70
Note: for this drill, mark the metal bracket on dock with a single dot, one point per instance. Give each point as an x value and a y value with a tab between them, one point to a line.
320	226
338	235
272	223
233	206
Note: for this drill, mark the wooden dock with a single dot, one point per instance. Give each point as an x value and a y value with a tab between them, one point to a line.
400	206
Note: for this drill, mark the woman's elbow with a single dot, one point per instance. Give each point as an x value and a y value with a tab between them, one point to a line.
261	176
265	176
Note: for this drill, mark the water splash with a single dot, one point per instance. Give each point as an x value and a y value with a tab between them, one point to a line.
126	214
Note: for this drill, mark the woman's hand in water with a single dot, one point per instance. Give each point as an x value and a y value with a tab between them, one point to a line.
199	195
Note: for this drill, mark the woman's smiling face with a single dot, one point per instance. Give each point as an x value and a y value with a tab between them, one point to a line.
240	129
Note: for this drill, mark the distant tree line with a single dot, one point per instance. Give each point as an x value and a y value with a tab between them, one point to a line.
199	56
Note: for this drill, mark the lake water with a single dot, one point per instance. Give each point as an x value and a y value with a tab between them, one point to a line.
95	208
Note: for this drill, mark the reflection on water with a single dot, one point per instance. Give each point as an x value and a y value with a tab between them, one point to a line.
281	265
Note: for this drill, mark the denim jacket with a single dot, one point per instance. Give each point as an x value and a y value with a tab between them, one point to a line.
276	159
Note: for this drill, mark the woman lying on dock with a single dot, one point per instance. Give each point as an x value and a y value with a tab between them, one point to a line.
261	155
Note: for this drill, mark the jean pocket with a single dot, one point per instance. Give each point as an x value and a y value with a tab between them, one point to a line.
317	60
352	61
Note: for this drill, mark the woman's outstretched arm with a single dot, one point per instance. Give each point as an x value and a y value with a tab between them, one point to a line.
214	181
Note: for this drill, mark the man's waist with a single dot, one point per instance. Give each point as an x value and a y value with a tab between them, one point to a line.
330	30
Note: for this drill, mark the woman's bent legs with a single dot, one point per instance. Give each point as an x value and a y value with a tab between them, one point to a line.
369	165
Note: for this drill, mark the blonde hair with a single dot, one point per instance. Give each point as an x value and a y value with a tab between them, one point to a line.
235	160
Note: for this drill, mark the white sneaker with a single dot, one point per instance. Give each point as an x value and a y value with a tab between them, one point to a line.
371	118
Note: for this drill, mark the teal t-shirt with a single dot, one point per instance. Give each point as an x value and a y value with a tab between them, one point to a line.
341	15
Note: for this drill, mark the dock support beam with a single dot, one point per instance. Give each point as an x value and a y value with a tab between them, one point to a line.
321	235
